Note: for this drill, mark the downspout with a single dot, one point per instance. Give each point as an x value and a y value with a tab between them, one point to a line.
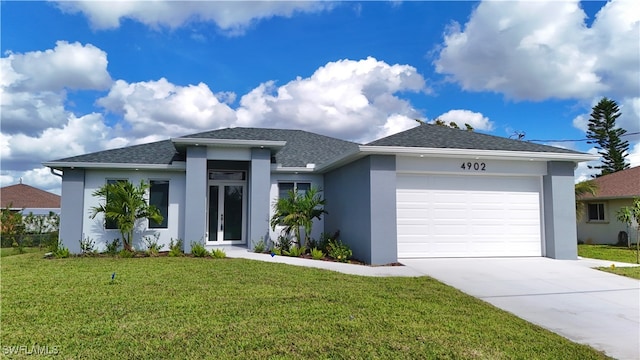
53	171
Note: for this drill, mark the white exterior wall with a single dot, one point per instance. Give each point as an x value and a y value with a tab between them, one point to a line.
604	232
94	228
417	164
316	180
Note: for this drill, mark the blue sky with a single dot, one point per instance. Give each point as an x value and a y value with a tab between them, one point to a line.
85	76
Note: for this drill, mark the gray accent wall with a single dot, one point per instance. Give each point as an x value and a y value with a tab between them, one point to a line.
71	206
559	211
195	210
361	203
259	186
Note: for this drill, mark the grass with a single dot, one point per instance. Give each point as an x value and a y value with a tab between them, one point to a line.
4	252
631	271
608	252
233	308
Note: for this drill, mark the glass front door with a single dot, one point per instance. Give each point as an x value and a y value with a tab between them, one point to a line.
226	212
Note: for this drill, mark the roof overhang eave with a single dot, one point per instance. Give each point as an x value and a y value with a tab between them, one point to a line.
603	198
476	153
60	165
269	144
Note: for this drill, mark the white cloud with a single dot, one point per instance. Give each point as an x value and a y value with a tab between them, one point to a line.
582	172
540	50
33	85
581	122
461	117
346	99
232	17
167	109
634	155
70	66
395	124
80	135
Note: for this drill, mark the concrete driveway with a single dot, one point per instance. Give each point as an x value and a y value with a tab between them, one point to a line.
565	296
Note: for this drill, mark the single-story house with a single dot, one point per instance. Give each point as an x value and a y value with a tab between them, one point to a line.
430	191
28	199
599	224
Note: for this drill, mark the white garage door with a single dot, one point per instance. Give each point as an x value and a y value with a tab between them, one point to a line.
468	216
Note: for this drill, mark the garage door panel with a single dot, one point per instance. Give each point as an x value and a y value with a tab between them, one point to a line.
459	216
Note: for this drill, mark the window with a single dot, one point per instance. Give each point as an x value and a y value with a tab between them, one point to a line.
159	197
227	175
596	212
285	187
109	223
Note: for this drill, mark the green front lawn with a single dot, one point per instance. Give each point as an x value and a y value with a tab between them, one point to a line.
233	308
608	252
14	251
631	271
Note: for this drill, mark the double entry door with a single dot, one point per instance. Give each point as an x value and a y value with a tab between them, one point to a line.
226	212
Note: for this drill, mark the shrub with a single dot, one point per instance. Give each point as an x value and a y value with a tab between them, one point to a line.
175	248
339	251
276	251
317	254
284	243
294	251
325	239
87	246
153	248
126	254
218	254
260	246
52	242
198	250
18	244
61	252
112	247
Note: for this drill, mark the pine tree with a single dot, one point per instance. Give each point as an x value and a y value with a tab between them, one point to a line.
604	133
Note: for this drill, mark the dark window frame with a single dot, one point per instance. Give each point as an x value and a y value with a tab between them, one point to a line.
596	212
295	185
163	206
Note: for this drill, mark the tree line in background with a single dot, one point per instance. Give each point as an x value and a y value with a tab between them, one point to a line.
19	231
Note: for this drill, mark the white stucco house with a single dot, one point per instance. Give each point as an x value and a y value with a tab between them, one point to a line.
430	191
599	224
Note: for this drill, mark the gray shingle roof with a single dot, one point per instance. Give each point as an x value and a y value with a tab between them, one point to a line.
302	147
434	136
160	152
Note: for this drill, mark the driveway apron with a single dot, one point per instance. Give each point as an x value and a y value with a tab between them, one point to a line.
585	305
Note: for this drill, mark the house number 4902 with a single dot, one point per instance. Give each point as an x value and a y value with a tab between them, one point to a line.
477	166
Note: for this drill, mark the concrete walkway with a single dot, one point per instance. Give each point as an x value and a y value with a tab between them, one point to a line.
568	297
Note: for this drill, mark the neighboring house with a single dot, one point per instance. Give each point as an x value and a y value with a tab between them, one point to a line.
430	191
28	199
599	224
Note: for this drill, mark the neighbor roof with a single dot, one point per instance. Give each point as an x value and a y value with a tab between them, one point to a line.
435	136
21	196
620	184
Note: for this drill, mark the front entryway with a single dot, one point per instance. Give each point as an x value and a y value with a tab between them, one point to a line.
227	208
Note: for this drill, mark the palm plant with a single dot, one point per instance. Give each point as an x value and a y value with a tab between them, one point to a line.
584	188
298	210
125	204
